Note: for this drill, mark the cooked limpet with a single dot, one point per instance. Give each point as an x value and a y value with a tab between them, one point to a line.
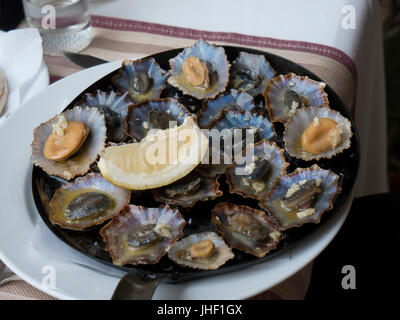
206	251
257	170
142	235
67	144
317	132
251	73
154	114
301	197
286	93
201	71
235	100
114	107
86	202
143	79
187	191
245	228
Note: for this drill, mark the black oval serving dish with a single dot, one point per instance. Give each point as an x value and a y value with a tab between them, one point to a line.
198	218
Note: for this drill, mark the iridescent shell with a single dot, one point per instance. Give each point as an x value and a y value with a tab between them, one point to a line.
257	170
246	120
300	120
114	107
233	100
246	229
142	79
216	62
285	94
77	164
251	73
310	209
180	252
215	161
86	202
142	235
154	114
187	191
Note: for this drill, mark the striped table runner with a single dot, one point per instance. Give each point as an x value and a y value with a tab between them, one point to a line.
115	39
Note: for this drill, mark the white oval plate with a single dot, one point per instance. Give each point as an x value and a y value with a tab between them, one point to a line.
77	276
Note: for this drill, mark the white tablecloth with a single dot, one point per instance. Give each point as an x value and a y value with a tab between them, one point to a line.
308	20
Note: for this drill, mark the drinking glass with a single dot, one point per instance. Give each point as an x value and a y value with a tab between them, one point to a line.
63	24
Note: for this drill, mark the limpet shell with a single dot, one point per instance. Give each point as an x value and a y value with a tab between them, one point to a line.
241	238
114	106
206	188
212	110
222	253
154	114
91	185
125	80
310	92
218	67
116	232
328	182
259	188
257	65
295	127
78	164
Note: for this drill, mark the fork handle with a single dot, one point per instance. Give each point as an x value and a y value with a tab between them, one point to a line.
132	286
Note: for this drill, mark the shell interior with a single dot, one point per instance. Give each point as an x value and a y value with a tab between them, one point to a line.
187	191
217	64
142	235
114	107
77	164
180	252
154	114
245	228
285	94
233	100
257	170
295	127
142	79
326	180
251	73
87	201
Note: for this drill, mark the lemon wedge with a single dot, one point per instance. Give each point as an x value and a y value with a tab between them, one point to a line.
161	158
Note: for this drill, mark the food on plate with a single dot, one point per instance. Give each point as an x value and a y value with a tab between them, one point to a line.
251	73
140	144
301	197
71	141
86	202
142	79
286	93
142	235
317	132
205	251
257	170
114	107
245	228
201	71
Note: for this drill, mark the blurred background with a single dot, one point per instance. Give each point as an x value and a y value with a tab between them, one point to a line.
390	16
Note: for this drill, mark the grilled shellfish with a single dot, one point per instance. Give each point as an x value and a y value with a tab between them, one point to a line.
301	197
246	229
142	235
87	201
201	71
206	251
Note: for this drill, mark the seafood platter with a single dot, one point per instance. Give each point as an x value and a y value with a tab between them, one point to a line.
286	162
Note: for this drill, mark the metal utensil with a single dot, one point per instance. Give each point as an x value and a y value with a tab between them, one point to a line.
83	60
6	275
133	286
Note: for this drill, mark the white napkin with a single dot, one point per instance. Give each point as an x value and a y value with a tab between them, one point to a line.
21	56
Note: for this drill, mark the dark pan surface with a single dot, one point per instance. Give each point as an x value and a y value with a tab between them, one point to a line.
198	218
